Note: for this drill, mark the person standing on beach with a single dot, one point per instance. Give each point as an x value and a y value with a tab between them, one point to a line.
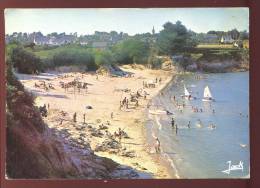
157	145
120	107
136	103
112	115
75	117
84	118
126	103
176	130
173	122
120	132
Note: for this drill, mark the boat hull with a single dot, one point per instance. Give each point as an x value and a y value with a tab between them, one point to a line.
208	100
157	112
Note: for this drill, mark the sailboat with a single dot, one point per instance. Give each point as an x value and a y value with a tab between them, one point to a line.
207	96
187	94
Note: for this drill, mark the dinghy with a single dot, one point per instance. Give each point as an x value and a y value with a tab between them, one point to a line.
187	94
160	112
207	96
157	112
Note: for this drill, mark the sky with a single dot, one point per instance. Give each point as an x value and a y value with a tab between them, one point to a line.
127	20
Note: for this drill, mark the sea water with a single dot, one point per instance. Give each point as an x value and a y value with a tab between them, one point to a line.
200	151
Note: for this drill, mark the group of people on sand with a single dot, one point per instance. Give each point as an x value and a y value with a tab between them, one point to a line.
43	85
119	134
152	83
124	103
134	98
158	80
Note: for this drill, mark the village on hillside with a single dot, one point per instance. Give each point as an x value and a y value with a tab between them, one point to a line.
104	40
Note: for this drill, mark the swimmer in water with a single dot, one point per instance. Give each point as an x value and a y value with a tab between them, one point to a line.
189	124
199	124
212	126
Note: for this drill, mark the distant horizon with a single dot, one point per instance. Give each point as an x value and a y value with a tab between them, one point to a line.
127	20
71	33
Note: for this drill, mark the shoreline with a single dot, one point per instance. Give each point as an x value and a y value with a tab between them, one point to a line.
106	102
162	157
159	101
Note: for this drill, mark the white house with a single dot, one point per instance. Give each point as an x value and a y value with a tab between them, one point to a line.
226	39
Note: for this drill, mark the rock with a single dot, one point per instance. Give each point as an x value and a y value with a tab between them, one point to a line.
102	127
130	154
108	145
97	134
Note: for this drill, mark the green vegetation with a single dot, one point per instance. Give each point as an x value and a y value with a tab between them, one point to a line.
131	51
174	39
26	62
221	54
74	57
32	60
144	49
104	58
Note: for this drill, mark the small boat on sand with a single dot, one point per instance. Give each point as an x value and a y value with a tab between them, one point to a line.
160	112
157	112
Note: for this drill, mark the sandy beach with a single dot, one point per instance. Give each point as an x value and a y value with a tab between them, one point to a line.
103	95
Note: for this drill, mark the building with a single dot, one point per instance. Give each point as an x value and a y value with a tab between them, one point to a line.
100	45
207	38
153	31
226	39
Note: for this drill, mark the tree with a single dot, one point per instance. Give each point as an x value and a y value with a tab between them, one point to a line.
234	34
174	38
212	32
26	62
131	51
74	57
104	58
244	35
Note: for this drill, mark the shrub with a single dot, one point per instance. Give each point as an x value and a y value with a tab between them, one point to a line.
131	51
26	62
74	57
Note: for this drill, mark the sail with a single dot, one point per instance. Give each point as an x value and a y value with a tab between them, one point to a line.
207	93
186	92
